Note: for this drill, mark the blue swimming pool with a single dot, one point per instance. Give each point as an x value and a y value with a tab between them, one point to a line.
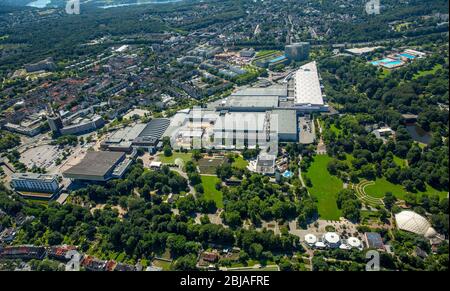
408	56
288	174
392	64
383	61
277	59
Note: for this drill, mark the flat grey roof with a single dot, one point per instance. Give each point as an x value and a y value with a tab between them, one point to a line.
96	163
247	101
127	134
285	120
241	121
269	91
33	176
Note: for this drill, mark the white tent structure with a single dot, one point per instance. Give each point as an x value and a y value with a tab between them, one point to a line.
310	239
413	222
354	242
331	239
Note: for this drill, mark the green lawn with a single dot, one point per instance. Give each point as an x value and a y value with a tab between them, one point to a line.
334	129
402	163
170	160
429	72
240	163
384	74
324	187
209	185
162	264
265	53
381	186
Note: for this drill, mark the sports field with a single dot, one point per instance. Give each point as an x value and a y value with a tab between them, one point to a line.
324	187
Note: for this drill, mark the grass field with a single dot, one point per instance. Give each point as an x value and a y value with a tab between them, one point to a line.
429	72
170	160
402	163
265	53
384	74
209	165
162	264
209	185
336	130
240	163
324	187
381	186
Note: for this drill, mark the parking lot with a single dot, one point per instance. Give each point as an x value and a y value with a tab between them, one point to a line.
307	130
43	156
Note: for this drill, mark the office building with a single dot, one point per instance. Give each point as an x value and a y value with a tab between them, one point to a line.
297	51
32	182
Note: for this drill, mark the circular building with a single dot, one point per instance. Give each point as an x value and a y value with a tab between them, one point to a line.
354	242
415	223
332	239
310	239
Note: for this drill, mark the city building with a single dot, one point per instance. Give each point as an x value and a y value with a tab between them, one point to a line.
98	166
44	65
247	53
362	50
83	125
55	123
297	51
32	182
25	252
28	130
265	164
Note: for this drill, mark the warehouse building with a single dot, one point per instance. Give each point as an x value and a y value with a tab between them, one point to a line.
285	122
99	167
308	90
122	139
249	103
138	136
152	133
250	117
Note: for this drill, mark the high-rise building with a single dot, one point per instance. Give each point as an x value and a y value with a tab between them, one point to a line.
55	123
297	51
